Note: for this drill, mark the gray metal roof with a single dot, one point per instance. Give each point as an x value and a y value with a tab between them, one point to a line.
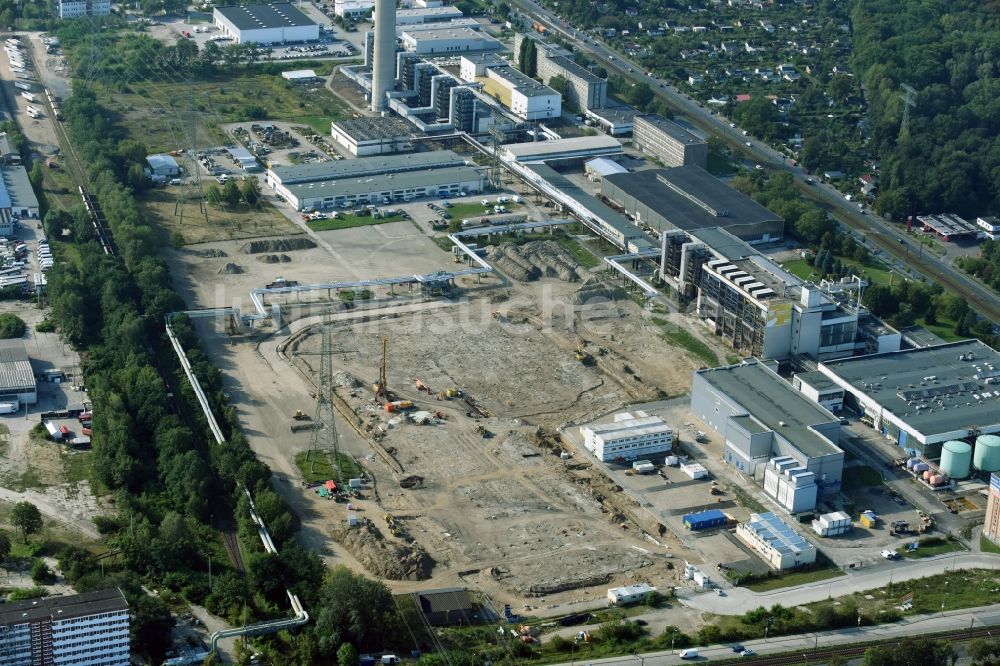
692	198
598	209
778	534
58	608
771	401
576	70
258	17
523	83
671	129
901	381
384	183
15	369
372	129
366	166
15	179
549	149
726	244
817	380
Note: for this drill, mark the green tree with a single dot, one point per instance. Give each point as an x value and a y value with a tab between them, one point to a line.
347	655
231	194
213	195
251	192
11	326
26	517
911	652
5	546
41	574
353	609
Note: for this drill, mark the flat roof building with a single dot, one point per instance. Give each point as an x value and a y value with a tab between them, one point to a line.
776	542
586	90
69	9
23	201
419	15
446	41
88	628
525	97
599	167
564	152
820	389
380	135
279	176
991	524
17	380
629	594
761	417
447	607
669	142
948	226
689	198
628	437
161	166
277	23
921	398
385	188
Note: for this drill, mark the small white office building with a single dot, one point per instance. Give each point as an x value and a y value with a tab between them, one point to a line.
630	594
628	437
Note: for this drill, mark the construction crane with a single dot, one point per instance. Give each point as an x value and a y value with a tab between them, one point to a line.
381	387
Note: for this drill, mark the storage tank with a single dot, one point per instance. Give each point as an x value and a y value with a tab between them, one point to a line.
956	458
939	480
927	475
987	456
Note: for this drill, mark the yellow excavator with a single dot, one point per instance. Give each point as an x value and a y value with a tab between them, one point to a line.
299	415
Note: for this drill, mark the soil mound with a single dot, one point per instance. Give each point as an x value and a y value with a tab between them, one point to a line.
384	558
231	269
596	290
210	253
274	258
277	245
533	260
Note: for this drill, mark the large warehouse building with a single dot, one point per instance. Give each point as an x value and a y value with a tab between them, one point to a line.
763	420
265	24
689	198
385	188
921	398
669	142
17	380
565	152
23	201
280	177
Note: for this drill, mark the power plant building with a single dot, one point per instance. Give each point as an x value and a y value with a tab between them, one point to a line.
278	23
628	437
363	137
921	398
565	152
383	60
421	15
446	40
772	433
669	142
522	95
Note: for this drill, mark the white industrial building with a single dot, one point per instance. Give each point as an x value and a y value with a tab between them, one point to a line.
386	188
449	40
762	419
526	98
586	90
630	594
628	437
77	8
832	524
17	380
353	9
363	137
89	629
421	15
564	152
281	177
820	389
23	200
776	542
278	23
921	398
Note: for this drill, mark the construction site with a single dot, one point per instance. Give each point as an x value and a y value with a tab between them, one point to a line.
448	408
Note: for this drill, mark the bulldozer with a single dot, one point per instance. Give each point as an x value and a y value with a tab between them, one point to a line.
299	415
583	356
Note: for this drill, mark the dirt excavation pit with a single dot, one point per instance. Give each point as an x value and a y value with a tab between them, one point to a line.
533	260
496	504
277	245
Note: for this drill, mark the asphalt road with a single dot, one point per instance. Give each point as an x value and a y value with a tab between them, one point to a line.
882	233
912	626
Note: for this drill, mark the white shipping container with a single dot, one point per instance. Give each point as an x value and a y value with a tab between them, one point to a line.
8	407
22	86
28	96
53	431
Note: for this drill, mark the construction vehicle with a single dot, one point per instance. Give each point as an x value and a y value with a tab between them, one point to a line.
583	356
421	386
481	430
381	387
299	415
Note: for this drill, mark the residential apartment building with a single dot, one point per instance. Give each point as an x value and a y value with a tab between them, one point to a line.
90	629
69	9
669	142
628	437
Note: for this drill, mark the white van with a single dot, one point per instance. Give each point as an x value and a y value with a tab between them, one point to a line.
690	653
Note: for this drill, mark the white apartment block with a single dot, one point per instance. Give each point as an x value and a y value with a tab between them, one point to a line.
628	437
90	629
78	8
